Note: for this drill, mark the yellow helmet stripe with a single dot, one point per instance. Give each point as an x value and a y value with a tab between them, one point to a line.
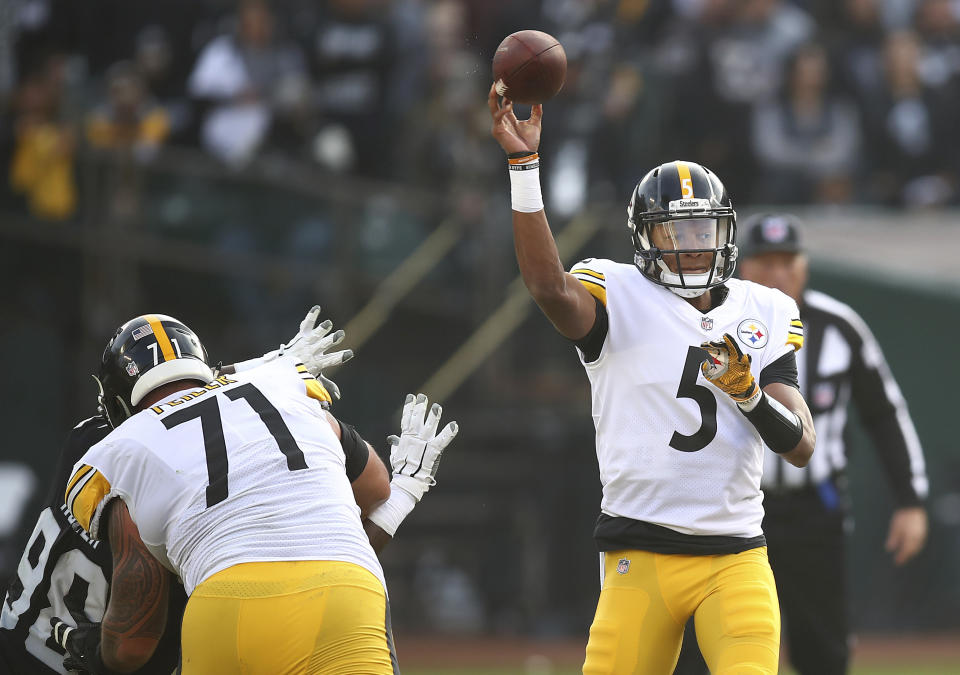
686	183
162	339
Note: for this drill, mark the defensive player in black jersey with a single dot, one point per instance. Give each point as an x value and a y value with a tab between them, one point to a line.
63	573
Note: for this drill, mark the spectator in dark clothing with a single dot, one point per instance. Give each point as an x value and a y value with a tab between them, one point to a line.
806	140
912	132
856	39
741	51
354	59
154	59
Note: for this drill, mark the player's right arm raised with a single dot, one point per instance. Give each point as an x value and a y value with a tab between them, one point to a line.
563	299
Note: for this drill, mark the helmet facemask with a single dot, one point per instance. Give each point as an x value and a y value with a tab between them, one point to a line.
667	239
114	408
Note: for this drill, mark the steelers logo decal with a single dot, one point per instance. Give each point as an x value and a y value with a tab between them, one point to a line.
752	333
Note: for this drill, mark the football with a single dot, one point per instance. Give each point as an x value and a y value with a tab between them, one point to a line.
529	66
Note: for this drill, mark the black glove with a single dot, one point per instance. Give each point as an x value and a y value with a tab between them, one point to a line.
82	645
71	665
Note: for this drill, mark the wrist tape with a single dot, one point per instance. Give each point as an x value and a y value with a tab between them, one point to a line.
780	429
249	364
525	195
750	398
391	513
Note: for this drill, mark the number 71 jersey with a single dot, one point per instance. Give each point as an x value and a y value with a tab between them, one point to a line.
243	469
674	451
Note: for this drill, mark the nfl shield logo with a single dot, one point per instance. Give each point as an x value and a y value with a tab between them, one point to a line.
775	230
706	323
823	395
623	566
132	369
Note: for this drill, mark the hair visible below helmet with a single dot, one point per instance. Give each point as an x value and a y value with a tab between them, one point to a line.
145	353
674	192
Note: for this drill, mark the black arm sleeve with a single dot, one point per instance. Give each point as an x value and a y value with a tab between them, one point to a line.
591	343
354	449
782	370
883	413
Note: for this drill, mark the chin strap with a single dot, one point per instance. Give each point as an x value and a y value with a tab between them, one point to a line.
688	292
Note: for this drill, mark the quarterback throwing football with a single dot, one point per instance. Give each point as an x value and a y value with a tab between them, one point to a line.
691	373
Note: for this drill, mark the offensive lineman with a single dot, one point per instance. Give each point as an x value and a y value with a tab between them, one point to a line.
239	486
65	573
679	532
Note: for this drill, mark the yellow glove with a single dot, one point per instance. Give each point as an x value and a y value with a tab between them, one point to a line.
727	367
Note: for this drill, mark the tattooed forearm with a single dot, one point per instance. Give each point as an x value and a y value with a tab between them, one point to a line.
137	612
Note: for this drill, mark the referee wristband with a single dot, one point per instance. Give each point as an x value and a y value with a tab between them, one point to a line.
525	194
781	429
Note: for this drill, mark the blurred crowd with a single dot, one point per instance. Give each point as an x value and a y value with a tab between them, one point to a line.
789	101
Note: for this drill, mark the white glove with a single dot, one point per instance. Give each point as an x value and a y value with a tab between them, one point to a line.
308	347
415	455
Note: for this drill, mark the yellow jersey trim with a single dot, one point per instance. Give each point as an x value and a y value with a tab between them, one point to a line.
596	290
317	391
88	498
81	472
589	273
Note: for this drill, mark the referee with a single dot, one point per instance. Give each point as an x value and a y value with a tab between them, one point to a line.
806	509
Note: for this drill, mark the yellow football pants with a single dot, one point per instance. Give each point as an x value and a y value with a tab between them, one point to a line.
647	598
288	618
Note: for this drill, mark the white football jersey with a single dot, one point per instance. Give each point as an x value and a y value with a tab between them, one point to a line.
244	469
674	450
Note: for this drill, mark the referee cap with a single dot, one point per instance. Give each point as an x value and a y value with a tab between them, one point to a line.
771	233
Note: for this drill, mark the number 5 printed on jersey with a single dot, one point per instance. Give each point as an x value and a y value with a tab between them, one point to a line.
705	399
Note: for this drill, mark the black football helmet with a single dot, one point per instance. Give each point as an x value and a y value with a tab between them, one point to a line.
666	197
145	353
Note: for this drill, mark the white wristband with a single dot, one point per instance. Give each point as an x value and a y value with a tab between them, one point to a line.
525	194
391	513
249	364
749	404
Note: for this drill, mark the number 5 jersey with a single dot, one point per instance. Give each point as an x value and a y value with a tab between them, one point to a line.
679	463
243	469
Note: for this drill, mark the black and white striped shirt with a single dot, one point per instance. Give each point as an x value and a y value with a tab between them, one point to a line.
840	361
